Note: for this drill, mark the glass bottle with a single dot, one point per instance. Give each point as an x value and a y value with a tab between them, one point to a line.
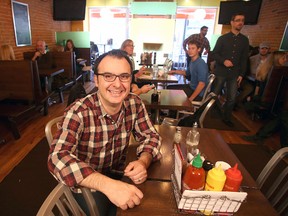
194	177
177	135
154	96
192	141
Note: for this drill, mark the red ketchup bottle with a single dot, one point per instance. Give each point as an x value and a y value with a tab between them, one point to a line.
194	177
233	179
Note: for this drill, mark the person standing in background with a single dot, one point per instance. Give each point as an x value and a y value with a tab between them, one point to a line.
202	41
231	55
7	52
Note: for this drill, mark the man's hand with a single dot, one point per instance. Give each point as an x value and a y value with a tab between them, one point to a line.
147	88
120	193
36	55
124	195
228	63
239	80
136	171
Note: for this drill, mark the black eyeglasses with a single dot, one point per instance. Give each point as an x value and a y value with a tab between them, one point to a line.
109	77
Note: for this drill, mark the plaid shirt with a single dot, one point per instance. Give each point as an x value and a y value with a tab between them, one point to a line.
204	43
90	140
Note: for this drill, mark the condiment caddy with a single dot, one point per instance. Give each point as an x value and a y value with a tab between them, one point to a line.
212	200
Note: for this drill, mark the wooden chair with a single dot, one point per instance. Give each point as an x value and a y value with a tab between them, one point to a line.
60	200
41	96
17	83
278	184
50	129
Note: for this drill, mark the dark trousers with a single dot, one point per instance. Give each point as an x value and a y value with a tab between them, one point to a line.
279	123
186	88
231	86
247	87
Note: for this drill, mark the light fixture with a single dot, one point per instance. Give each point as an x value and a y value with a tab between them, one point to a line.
200	14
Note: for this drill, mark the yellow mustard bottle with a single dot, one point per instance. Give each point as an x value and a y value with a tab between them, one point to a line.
215	179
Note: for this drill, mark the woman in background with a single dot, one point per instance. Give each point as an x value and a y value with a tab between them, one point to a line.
136	88
7	52
278	58
70	47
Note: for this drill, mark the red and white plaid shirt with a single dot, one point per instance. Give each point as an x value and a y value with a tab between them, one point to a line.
90	140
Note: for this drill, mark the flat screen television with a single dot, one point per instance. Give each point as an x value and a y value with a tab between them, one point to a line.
250	9
68	10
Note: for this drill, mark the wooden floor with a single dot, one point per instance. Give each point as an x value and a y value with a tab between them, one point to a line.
32	132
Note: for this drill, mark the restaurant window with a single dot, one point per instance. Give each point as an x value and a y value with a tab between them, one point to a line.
108	27
189	20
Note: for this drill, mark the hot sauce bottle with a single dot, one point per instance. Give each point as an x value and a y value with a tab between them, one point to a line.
194	177
233	179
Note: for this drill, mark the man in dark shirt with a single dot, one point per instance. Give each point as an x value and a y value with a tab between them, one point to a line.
231	54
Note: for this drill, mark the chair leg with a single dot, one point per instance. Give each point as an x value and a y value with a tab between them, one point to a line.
45	107
61	96
13	127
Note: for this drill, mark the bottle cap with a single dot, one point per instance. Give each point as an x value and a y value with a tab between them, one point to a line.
234	172
207	165
197	161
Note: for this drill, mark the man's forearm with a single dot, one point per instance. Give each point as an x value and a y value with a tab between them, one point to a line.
146	159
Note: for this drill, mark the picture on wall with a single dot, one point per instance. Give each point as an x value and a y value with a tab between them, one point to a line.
21	20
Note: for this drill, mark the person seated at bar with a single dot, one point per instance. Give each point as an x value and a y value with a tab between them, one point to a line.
90	147
197	71
7	52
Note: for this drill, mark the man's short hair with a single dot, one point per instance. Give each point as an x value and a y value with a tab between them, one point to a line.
194	42
203	27
237	14
116	53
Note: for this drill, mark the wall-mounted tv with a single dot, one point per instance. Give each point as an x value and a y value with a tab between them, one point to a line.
69	10
250	9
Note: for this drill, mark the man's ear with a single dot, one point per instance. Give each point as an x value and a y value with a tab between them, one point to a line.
96	80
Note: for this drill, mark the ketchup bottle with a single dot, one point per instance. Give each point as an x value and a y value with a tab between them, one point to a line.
233	179
194	178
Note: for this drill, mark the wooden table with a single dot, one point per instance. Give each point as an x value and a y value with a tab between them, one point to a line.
48	74
169	99
158	194
147	77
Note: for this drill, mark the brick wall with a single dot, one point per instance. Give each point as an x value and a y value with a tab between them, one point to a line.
41	23
272	20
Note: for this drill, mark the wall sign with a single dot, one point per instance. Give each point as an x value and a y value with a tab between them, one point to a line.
21	22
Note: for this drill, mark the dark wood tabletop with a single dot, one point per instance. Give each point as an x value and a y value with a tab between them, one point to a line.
159	79
158	191
169	99
50	72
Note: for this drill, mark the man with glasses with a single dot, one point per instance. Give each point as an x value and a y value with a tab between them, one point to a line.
90	147
231	55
